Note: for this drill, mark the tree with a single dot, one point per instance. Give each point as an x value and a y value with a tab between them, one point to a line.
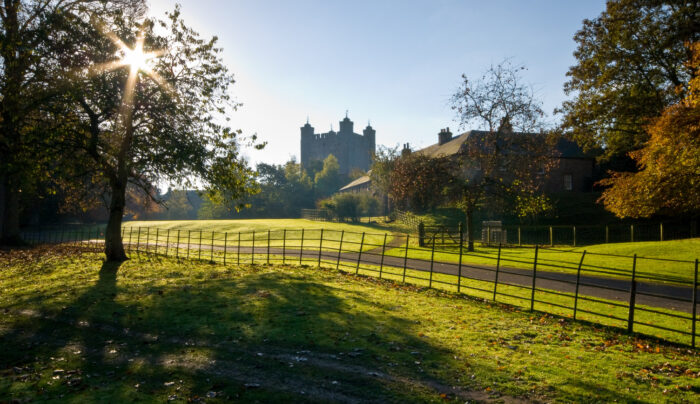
417	181
152	113
630	64
328	180
668	180
506	161
27	82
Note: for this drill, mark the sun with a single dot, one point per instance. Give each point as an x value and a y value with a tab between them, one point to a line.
136	58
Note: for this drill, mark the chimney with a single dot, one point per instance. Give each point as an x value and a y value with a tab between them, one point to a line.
444	136
406	150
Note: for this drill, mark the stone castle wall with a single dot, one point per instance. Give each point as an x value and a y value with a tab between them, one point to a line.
353	151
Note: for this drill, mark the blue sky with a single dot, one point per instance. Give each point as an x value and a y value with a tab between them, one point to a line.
395	63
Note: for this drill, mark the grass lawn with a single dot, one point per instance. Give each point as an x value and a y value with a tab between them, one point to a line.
598	261
155	329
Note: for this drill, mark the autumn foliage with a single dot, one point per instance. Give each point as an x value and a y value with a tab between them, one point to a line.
668	181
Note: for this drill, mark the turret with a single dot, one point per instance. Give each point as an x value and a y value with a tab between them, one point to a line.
307	137
346	126
370	133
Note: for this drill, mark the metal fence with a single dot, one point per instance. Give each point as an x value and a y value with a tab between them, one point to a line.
651	296
569	235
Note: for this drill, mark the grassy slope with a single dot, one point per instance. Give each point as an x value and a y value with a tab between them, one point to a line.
293	330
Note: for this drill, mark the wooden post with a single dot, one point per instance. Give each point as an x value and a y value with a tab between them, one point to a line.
498	269
167	243
578	281
340	249
520	241
252	250
148	238
359	255
131	231
459	266
607	234
551	236
268	246
189	241
157	239
661	231
320	249
211	253
695	302
284	246
574	231
225	246
632	233
534	279
405	259
633	295
301	249
177	248
421	234
488	235
381	264
138	239
238	253
432	262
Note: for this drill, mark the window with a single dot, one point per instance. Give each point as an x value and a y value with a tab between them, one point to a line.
568	182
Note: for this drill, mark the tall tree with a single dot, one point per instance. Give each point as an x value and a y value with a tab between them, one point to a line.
668	180
506	161
630	66
328	180
151	113
27	31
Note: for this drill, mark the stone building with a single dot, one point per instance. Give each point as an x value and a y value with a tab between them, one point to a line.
353	151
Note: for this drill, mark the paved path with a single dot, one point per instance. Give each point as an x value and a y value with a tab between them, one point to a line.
648	293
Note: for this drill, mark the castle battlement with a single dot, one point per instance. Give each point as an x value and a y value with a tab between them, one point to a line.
353	150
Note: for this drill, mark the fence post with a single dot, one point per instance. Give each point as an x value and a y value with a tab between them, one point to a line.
199	255
520	242
211	251
421	234
488	235
252	250
607	234
574	231
157	239
167	243
459	266
661	231
148	239
320	249
551	236
432	262
359	255
340	249
238	253
498	269
534	278
138	240
177	245
189	241
578	281
405	259
381	265
131	231
284	245
268	246
301	249
225	246
633	295
695	301
632	233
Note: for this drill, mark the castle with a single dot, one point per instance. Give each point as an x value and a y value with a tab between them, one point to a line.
353	151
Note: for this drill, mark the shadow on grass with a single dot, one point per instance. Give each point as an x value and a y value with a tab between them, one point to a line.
253	335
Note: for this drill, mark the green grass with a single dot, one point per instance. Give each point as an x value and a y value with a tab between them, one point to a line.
77	330
562	259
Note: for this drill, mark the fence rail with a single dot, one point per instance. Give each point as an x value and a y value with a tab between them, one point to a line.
620	291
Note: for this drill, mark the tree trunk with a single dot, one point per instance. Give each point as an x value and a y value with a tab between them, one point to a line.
470	229
9	213
114	248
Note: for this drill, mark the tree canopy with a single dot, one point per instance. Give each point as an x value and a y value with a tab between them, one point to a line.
630	66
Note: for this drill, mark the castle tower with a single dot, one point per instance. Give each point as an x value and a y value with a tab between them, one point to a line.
307	139
346	126
369	133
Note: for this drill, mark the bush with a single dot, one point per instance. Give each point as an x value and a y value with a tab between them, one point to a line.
351	205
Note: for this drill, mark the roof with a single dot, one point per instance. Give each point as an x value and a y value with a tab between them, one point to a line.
360	181
565	147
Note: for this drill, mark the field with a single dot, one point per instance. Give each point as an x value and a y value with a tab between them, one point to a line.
600	259
157	329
